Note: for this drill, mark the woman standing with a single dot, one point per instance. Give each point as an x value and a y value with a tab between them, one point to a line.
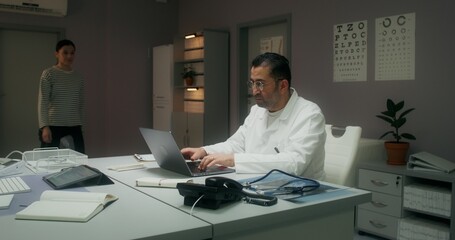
61	100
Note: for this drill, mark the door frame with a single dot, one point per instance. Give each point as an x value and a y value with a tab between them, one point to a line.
19	27
243	61
28	30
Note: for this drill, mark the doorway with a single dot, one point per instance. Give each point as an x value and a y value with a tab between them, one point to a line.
266	35
24	53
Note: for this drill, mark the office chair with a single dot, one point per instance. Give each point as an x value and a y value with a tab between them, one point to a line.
340	154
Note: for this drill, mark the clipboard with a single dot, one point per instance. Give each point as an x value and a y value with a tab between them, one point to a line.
79	176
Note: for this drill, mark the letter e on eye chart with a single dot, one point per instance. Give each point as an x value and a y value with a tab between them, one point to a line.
395	47
350	52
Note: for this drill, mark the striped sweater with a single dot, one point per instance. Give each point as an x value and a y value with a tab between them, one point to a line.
60	98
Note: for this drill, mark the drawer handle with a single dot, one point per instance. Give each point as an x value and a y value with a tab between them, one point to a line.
379	183
377	224
378	204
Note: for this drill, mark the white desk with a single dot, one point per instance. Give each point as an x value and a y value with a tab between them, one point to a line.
133	216
324	216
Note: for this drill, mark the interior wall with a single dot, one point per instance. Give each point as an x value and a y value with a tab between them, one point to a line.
312	61
113	39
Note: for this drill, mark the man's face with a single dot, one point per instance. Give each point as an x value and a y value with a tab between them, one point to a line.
269	97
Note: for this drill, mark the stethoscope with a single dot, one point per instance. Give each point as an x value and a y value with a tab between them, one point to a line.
284	189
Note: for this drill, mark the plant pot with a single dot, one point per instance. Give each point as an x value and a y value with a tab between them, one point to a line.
396	152
189	81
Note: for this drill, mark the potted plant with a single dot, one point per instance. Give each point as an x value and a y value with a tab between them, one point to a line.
397	149
188	75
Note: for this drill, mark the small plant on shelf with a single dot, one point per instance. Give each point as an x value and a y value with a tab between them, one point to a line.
397	149
188	75
396	121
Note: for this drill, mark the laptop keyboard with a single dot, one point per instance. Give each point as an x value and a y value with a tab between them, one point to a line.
194	167
10	185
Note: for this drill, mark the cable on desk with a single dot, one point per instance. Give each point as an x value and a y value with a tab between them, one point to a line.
15	151
191	212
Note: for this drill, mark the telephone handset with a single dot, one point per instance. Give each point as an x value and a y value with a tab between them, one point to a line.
218	190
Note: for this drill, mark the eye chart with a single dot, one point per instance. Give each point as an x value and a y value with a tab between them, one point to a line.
350	52
395	47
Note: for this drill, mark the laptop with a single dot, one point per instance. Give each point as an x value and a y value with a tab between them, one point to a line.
168	155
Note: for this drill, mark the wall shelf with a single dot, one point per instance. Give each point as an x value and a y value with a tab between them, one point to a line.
208	55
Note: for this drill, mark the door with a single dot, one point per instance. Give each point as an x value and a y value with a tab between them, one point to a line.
24	54
163	68
266	35
188	129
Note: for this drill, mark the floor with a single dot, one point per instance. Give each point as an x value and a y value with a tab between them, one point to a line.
366	236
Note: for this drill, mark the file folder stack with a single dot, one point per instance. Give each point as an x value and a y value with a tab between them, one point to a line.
425	161
426	198
414	228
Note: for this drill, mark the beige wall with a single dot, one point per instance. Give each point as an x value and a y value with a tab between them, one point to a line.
353	103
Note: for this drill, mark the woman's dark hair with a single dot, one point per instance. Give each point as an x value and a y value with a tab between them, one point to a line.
279	65
64	42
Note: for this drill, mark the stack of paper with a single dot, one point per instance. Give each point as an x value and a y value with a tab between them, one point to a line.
432	199
414	228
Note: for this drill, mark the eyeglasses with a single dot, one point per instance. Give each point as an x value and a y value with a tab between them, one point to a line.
258	84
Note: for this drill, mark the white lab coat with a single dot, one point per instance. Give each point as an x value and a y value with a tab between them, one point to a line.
293	143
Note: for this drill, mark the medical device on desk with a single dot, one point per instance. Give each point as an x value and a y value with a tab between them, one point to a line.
9	166
45	160
281	184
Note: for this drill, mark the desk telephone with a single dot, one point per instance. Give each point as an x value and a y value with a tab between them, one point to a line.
218	190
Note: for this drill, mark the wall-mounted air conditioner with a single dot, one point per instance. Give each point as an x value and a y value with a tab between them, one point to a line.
55	8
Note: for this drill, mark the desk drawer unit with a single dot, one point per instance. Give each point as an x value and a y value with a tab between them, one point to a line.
379	224
384	204
381	215
381	182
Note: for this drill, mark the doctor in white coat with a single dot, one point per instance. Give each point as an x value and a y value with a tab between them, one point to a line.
282	131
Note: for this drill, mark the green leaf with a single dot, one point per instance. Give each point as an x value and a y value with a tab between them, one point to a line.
390	105
399	122
406	112
389	120
399	106
385	134
408	136
389	113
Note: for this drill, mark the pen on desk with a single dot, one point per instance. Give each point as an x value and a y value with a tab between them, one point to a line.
276	150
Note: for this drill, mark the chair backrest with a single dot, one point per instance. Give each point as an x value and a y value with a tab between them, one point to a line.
340	153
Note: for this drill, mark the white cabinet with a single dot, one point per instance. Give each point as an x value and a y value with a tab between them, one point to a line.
163	70
406	204
187	129
381	215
